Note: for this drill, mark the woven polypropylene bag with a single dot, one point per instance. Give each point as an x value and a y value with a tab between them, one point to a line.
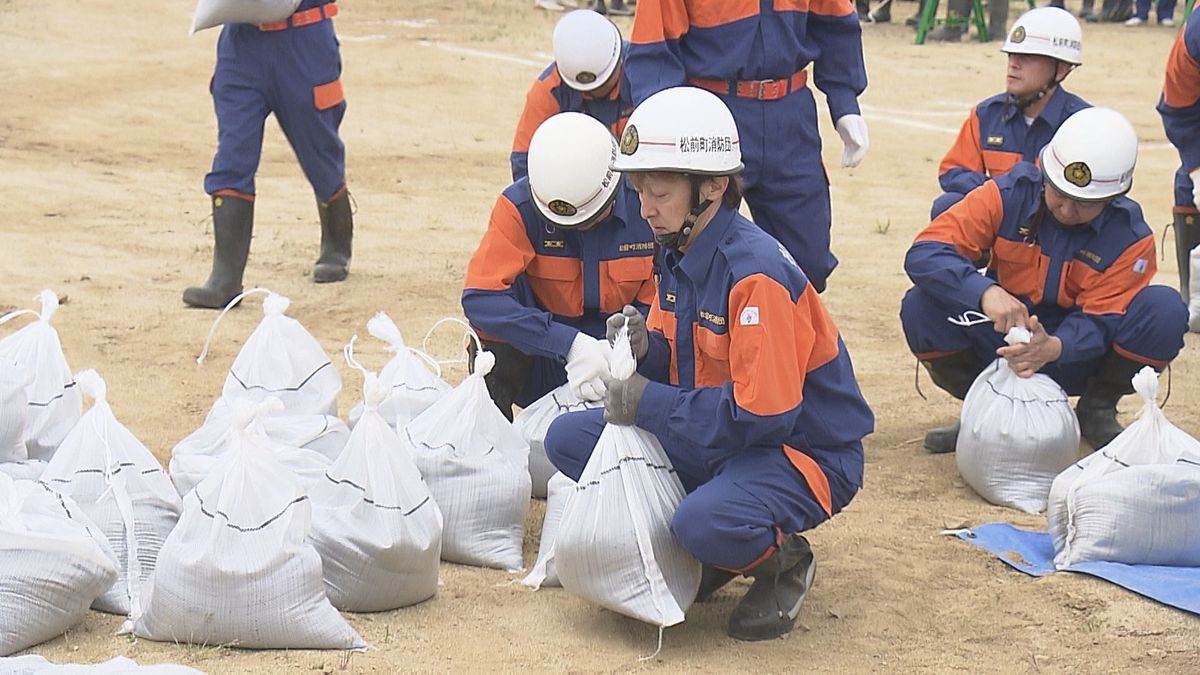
210	13
14	409
543	573
533	423
411	386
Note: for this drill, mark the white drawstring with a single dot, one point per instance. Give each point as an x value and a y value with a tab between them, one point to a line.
213	330
470	331
969	318
20	312
382	327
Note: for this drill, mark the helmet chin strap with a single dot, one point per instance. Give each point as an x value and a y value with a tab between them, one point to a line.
674	240
1023	102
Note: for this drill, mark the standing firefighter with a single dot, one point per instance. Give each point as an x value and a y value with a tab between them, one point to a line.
565	248
1180	110
291	68
586	77
1072	259
742	375
1043	47
755	56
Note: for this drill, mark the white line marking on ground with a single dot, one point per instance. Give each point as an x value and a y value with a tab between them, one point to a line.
497	56
361	38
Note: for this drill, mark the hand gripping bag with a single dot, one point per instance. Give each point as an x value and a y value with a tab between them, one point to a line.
1134	501
121	488
559	489
283	360
533	423
411	386
375	523
54	401
53	563
614	545
239	568
14	410
1017	434
477	467
210	13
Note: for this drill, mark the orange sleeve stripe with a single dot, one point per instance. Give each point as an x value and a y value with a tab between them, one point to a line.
1111	291
503	253
966	153
971	224
1000	162
624	281
771	341
557	284
822	7
825	344
540	105
1182	85
659	21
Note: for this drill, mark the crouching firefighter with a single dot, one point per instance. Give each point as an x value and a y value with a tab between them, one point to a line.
742	375
1072	259
565	247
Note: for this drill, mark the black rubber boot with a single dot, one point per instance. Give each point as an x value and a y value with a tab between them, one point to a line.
618	8
1187	237
508	376
233	225
1116	11
958	11
781	582
337	235
863	8
1087	12
915	20
1097	408
997	20
712	579
882	14
954	374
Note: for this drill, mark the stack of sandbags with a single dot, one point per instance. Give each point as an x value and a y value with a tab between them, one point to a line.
559	490
533	423
1135	501
53	400
121	487
614	545
1017	434
412	386
477	467
375	523
53	564
32	664
239	568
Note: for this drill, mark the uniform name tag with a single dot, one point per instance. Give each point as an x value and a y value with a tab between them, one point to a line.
995	140
553	243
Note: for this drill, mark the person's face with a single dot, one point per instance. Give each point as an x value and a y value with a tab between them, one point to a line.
666	199
1028	73
611	83
1071	212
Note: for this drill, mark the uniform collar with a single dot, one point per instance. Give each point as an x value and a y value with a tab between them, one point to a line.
1052	113
697	262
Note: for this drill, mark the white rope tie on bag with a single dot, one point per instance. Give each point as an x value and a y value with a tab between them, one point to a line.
49	306
382	327
969	318
469	331
232	303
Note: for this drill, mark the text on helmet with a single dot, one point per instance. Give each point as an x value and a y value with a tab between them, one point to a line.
706	144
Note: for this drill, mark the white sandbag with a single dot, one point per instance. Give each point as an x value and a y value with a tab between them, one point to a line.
305	444
239	568
477	467
533	423
559	489
121	487
54	401
375	523
53	563
1137	499
1017	434
211	13
1194	291
14	409
412	386
281	359
32	664
614	545
30	469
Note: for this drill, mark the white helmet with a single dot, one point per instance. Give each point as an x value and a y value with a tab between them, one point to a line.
683	130
569	174
1091	157
1047	31
587	49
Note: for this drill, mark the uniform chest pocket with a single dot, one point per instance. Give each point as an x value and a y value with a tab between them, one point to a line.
712	357
557	284
1020	267
624	281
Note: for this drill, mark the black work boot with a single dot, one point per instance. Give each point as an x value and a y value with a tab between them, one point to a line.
915	19
617	8
337	233
958	13
882	14
233	224
781	582
508	376
712	579
1187	237
1097	408
954	374
863	8
1087	12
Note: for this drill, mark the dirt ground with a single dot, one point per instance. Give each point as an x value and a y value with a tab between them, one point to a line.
106	131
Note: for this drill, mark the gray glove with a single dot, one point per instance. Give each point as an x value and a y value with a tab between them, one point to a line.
622	399
639	337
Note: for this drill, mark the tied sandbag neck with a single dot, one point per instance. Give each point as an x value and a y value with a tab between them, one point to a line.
484	360
49	306
382	327
374	393
273	304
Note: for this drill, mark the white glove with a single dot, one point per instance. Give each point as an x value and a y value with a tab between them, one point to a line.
853	130
587	367
1195	187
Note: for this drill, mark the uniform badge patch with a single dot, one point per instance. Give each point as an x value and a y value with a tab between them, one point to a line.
585	77
562	208
1078	174
748	317
1140	265
629	140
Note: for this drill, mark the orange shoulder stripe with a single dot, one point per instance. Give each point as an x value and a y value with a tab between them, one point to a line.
540	105
503	253
1182	85
967	151
659	21
1111	291
970	225
771	340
